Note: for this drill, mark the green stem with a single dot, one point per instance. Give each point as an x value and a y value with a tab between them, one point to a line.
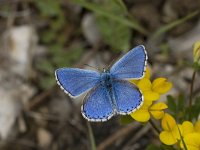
191	88
91	136
154	126
184	145
171	25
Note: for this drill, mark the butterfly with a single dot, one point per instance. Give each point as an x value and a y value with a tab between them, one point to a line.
108	92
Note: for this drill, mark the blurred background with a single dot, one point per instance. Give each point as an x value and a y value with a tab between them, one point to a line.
39	36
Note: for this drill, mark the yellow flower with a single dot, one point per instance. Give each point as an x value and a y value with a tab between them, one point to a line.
142	114
171	134
157	110
191	135
152	91
161	86
196	52
192	141
146	87
147	109
187	127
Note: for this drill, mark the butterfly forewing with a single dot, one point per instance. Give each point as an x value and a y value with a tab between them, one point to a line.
132	65
76	81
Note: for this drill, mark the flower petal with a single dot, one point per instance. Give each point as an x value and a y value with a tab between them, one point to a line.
159	106
161	86
146	104
148	73
192	141
187	128
168	123
157	114
144	85
177	132
157	110
167	138
151	96
141	115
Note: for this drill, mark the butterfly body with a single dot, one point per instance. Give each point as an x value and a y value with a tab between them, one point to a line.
106	81
108	93
106	78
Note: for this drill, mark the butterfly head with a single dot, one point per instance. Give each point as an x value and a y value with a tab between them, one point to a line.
105	70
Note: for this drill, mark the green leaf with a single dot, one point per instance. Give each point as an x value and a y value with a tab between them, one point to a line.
111	30
59	22
181	103
63	58
195	110
49	7
48	36
76	52
153	147
126	119
161	147
167	147
171	104
116	35
48	82
196	66
45	66
181	109
122	5
101	11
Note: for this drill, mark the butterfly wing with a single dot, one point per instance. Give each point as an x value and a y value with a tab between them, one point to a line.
132	65
128	97
97	106
76	81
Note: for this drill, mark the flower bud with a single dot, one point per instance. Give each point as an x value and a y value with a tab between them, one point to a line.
196	53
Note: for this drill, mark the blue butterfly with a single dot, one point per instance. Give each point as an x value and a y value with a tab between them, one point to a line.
108	92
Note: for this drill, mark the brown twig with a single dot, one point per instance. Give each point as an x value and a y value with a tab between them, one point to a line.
40	98
137	136
20	142
121	133
154	126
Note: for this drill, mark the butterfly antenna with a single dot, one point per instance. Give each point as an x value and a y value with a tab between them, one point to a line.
92	67
112	62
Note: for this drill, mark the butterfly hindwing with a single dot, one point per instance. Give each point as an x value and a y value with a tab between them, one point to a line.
128	97
76	81
132	65
97	105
